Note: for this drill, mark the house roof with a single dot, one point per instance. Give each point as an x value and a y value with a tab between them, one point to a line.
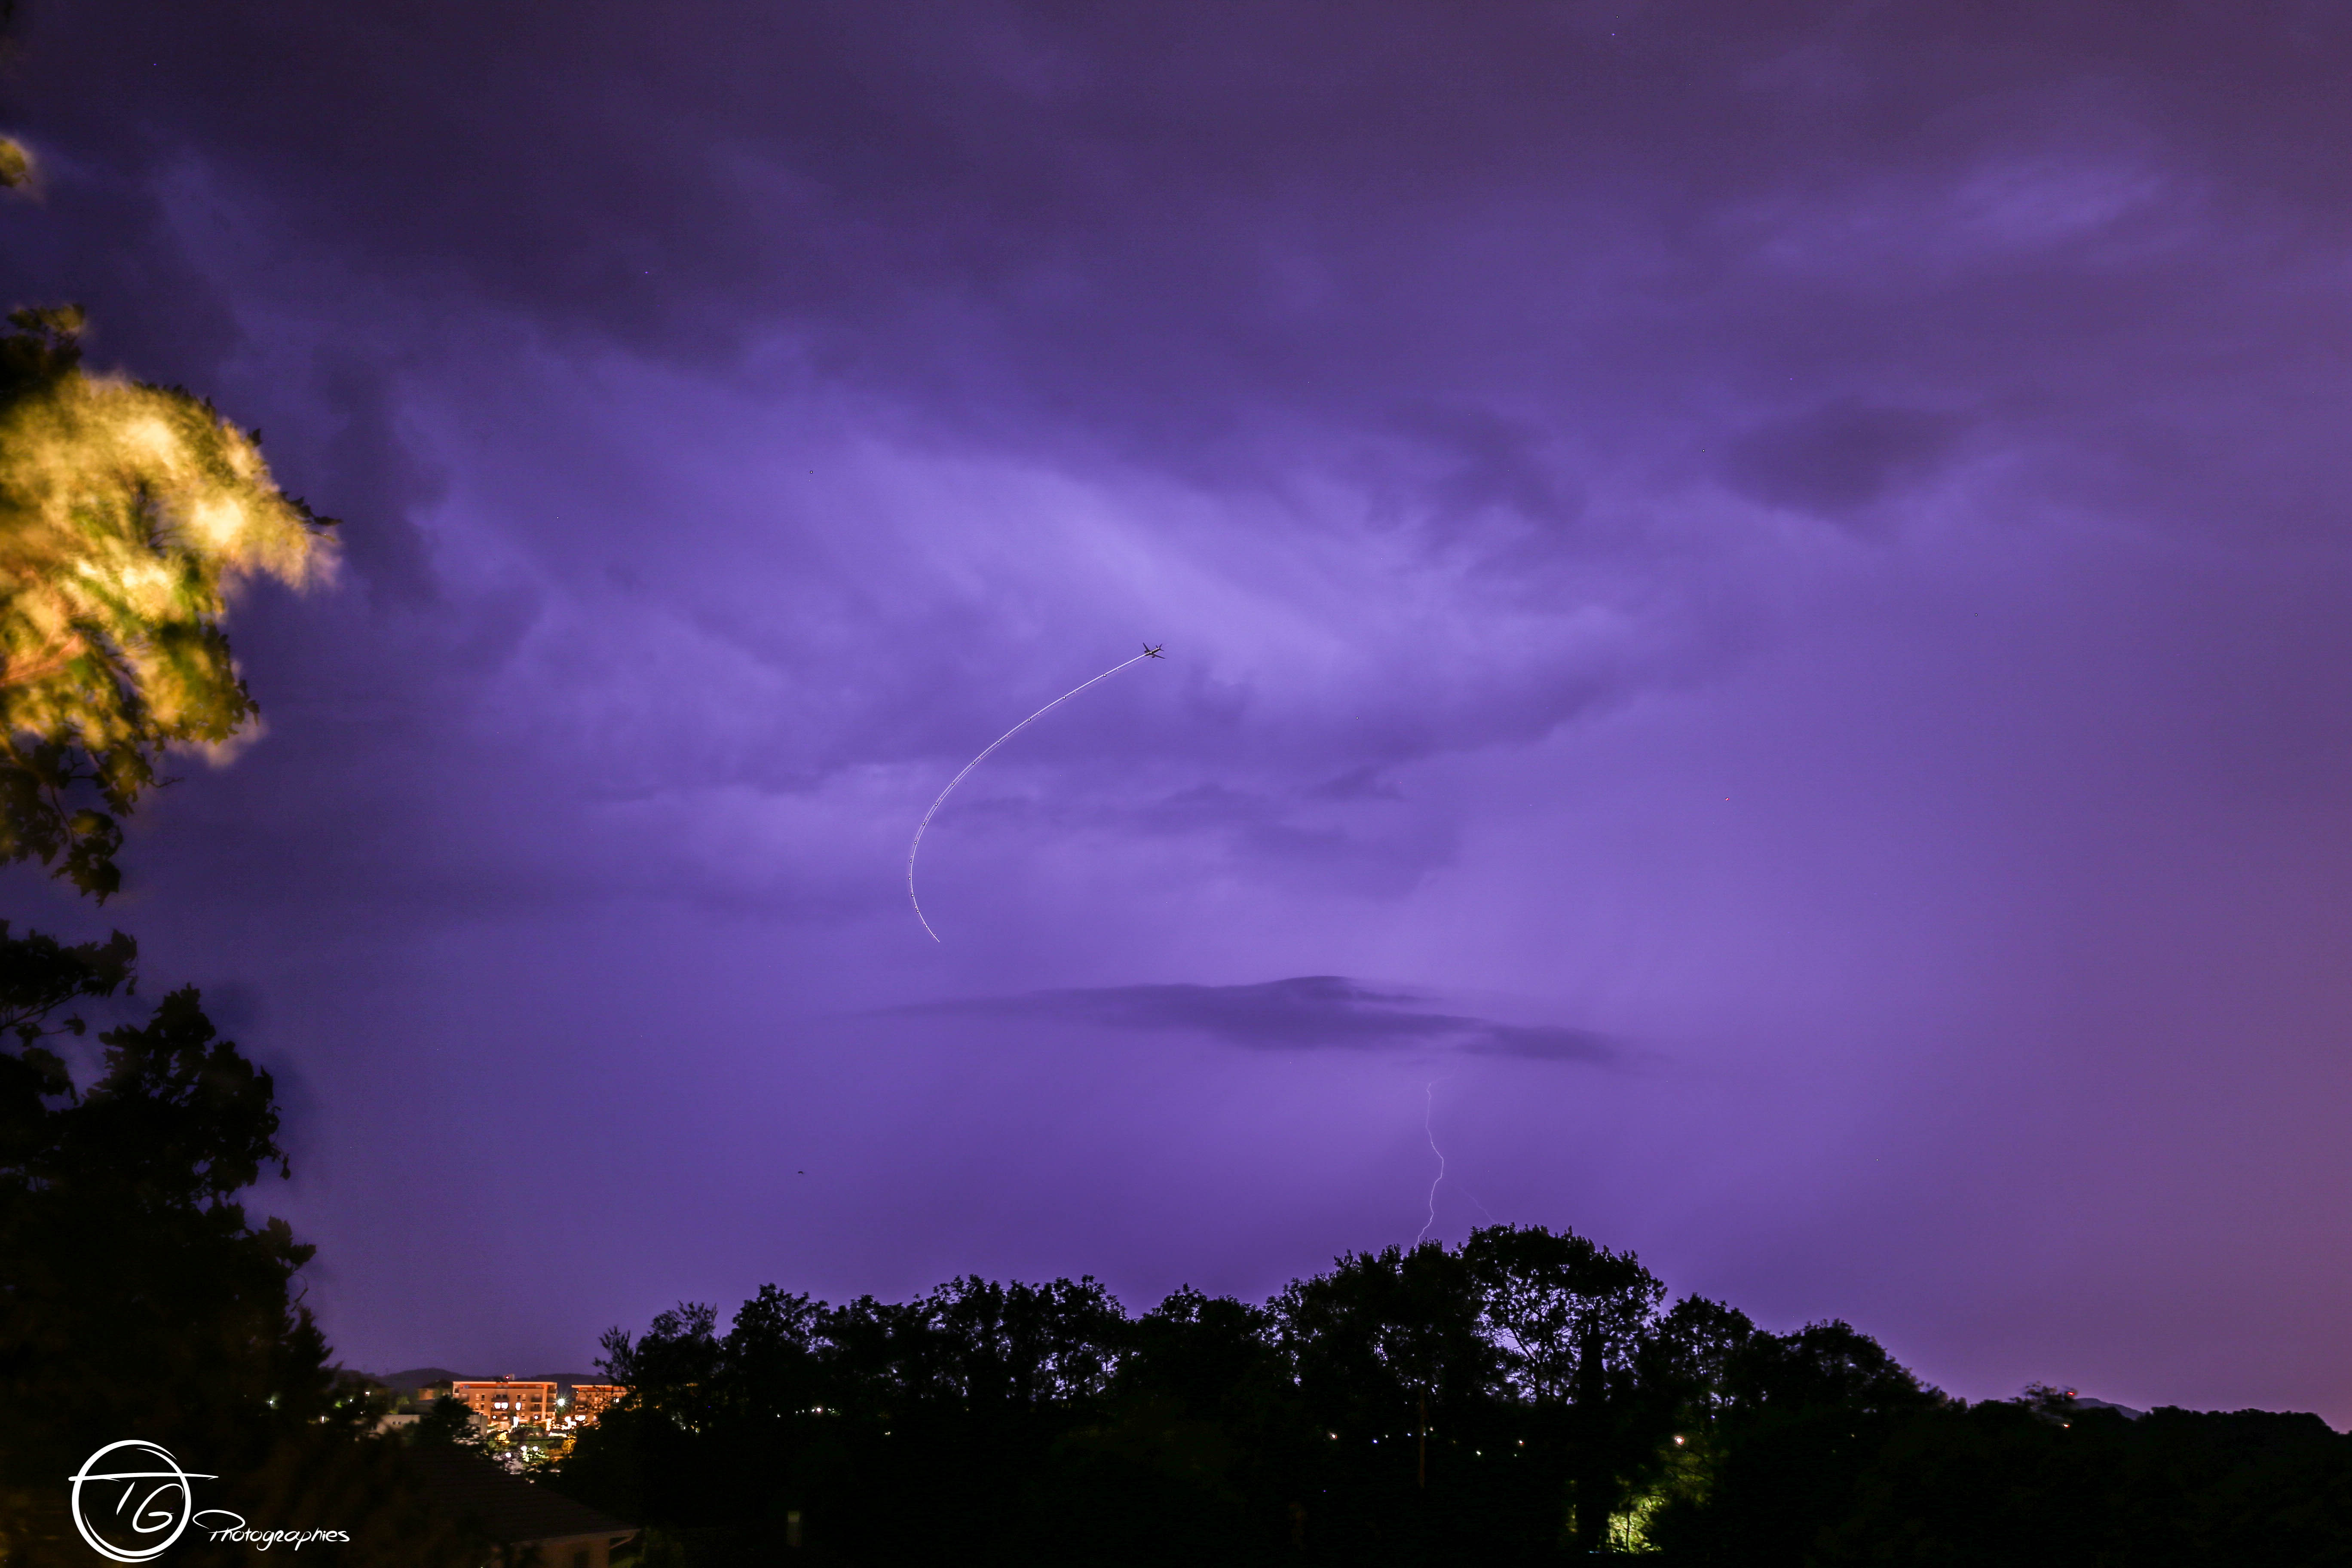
477	1493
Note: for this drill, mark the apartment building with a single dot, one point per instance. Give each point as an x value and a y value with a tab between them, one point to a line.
509	1402
590	1400
504	1404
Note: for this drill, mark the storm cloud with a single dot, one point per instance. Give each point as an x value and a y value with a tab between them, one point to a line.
1308	1013
1809	538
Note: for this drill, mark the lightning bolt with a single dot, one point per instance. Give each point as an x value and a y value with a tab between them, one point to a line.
1428	1111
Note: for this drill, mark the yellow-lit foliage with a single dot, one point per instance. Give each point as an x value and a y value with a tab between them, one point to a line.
127	513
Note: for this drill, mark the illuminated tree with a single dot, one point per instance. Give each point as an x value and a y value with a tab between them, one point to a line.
127	513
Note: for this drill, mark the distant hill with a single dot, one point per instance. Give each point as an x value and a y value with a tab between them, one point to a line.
414	1377
417	1377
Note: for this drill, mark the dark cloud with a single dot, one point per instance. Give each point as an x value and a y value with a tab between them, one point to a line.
1311	1012
1838	460
1364	783
1490	462
1184	240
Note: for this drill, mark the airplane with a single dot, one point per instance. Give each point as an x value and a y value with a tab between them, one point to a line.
1151	650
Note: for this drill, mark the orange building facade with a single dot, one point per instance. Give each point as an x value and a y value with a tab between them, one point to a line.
590	1400
504	1404
508	1402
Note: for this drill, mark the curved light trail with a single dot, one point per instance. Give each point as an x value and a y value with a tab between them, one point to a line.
918	844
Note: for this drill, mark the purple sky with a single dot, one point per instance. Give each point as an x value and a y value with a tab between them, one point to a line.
1755	606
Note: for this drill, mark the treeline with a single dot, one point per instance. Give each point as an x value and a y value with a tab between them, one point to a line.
1526	1396
140	1299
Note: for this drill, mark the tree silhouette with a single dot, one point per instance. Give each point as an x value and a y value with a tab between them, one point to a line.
137	1299
1519	1400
